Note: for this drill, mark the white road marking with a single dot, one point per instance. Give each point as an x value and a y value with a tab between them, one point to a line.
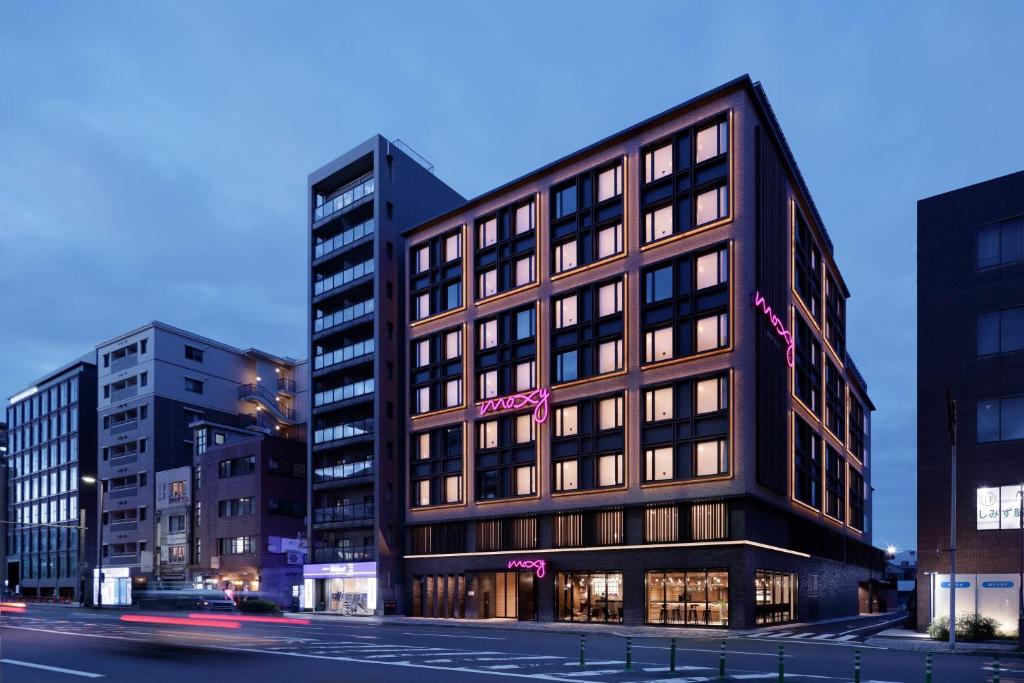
823	636
595	672
31	665
799	635
598	662
447	635
664	669
780	634
845	638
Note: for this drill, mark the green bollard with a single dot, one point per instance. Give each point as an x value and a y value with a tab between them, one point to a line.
782	666
672	656
629	653
856	666
995	670
721	662
928	668
583	649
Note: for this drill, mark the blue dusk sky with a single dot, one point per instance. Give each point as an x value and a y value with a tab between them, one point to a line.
153	156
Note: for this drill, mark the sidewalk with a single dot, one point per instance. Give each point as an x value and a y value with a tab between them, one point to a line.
907	639
662	632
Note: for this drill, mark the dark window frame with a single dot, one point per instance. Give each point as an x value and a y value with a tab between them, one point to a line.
807	464
588	444
507	250
509	351
445	460
439	275
438	371
588	217
502	460
588	333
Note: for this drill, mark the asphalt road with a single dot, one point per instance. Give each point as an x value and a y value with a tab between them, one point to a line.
63	645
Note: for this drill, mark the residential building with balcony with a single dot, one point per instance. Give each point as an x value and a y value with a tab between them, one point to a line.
51	446
970	343
358	205
629	394
165	394
173	526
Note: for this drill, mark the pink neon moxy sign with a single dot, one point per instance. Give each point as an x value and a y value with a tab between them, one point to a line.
538	566
780	328
538	398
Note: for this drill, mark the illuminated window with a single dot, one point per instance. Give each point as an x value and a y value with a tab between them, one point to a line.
658	163
658	404
488	334
488	233
526	480
712	395
566	311
525	428
609	241
566	478
423	400
565	256
422	306
526	375
712	141
488	434
609	183
712	269
423	446
658	224
422	259
489	384
658	345
524	271
524	221
452	247
609	413
712	205
453	393
609	356
453	345
423	492
711	458
609	299
713	332
659	464
423	353
566	421
609	470
453	488
488	283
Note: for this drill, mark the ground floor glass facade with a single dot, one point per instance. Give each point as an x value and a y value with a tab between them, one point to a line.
687	598
589	596
775	597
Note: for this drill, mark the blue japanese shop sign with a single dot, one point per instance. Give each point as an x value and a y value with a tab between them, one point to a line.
996	584
959	584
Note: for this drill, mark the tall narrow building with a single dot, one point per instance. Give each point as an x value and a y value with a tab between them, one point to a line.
970	342
358	206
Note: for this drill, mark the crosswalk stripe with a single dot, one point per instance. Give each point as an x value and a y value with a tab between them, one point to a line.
800	635
823	636
780	634
846	637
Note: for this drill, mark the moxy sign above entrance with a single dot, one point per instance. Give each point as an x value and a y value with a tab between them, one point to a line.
538	566
780	328
538	398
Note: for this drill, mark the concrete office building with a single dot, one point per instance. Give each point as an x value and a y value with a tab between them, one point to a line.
50	540
358	205
970	342
162	394
5	492
629	394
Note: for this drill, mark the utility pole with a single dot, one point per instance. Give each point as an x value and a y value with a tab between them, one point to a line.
1020	580
951	417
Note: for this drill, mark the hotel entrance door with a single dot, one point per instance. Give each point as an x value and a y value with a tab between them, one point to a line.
515	596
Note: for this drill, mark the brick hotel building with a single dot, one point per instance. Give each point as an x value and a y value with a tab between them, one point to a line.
629	396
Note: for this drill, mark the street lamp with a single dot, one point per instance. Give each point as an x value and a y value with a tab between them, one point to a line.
87	479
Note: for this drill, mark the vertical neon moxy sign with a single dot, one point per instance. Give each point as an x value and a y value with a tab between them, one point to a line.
538	398
538	566
780	327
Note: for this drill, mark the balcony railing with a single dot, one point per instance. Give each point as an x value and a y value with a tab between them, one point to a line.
345	353
286	384
347	430
343	513
344	315
267	397
343	277
352	553
346	470
353	192
344	238
344	392
124	426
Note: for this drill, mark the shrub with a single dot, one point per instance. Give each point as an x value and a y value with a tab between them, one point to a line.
259	606
969	628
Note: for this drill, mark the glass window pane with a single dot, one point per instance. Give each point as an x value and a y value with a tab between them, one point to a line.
565	421
708	396
609	299
658	223
707	207
708	458
988	421
708	274
609	470
1012	330
609	241
988	333
1011	418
